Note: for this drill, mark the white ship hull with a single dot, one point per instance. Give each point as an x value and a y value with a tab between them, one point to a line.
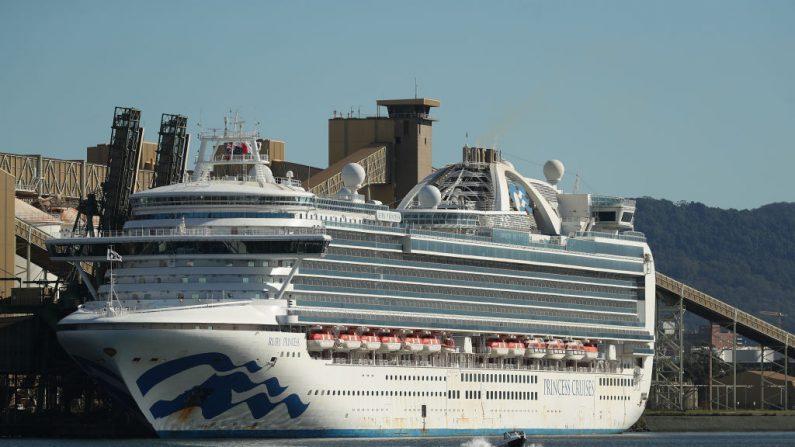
218	282
211	383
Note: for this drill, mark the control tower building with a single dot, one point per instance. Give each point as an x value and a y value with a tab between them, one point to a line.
405	131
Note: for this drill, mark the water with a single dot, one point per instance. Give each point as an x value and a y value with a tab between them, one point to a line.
724	439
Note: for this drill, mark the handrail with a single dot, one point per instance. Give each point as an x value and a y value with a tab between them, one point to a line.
201	231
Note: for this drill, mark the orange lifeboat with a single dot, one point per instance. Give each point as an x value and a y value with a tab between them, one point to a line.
319	340
348	341
430	344
413	343
496	348
515	347
574	351
370	342
536	348
556	350
591	350
389	342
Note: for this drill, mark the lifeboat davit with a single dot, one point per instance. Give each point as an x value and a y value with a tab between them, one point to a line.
591	351
370	342
574	351
496	348
430	344
536	348
319	340
556	350
412	343
348	341
515	347
389	342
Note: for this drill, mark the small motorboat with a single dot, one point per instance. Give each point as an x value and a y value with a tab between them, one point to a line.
513	439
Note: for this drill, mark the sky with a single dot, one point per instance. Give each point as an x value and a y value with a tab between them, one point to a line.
682	100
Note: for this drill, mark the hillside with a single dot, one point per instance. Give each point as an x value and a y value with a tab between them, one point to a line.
745	257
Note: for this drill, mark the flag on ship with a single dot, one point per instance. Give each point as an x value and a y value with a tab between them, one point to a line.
113	256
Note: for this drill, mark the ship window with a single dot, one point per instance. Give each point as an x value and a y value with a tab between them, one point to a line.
605	216
626	217
184	279
245	279
202	280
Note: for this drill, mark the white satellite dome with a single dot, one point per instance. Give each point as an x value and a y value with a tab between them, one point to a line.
430	197
553	171
353	176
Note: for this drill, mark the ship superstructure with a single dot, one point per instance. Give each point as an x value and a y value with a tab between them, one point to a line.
486	302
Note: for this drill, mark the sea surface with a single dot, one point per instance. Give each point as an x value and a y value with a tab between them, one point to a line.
724	439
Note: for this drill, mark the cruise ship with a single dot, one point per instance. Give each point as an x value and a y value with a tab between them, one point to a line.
239	304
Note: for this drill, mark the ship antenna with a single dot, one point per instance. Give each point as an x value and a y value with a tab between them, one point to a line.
576	183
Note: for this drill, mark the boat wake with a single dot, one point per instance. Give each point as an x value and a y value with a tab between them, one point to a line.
482	442
477	442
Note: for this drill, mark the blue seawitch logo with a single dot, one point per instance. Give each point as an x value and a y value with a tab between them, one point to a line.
214	395
519	198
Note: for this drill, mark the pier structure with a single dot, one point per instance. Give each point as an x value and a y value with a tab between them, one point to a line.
670	390
39	383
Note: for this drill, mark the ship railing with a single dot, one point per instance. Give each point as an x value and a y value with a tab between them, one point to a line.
627	235
459	359
202	231
250	158
287	181
611	201
552	244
